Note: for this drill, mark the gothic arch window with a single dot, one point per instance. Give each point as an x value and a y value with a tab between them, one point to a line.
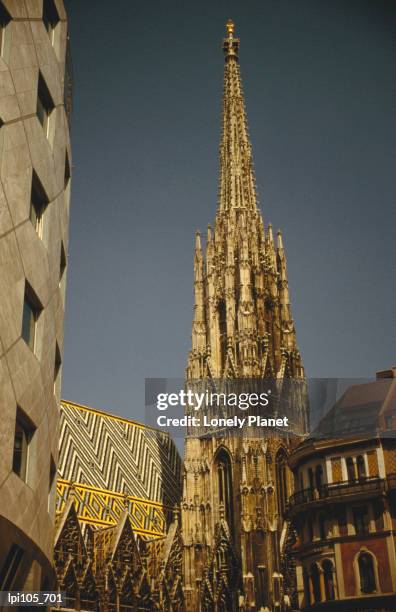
224	480
222	317
328	574
315	582
281	481
367	573
361	467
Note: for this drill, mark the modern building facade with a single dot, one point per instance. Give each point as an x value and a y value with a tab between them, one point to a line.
35	170
236	485
343	511
117	542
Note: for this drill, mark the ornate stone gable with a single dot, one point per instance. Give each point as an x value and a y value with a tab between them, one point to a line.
112	567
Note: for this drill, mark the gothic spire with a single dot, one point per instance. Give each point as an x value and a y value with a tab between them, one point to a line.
242	324
237	183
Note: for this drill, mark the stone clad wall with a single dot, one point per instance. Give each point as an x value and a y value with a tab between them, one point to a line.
28	380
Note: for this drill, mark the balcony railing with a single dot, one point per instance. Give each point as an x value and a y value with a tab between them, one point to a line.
370	485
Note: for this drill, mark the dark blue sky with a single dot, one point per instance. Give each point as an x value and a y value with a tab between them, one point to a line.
320	88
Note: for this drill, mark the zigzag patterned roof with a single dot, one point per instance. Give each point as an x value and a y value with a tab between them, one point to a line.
112	463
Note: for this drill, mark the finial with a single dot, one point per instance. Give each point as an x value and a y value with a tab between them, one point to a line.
209	234
197	240
230	44
230	27
280	240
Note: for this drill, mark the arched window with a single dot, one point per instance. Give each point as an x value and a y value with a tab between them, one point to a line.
222	319
315	582
328	573
224	479
222	314
361	467
350	469
281	481
366	573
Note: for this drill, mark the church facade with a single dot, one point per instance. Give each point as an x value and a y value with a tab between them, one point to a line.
117	541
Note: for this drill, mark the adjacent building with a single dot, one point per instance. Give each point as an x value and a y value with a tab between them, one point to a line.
35	156
343	511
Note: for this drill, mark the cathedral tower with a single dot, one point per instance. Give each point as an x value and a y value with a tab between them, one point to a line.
236	485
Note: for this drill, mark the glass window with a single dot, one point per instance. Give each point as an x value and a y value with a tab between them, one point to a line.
23	434
361	520
367	575
281	481
361	467
319	477
38	204
328	568
5	19
10	568
322	527
45	104
67	170
30	315
315	582
350	469
29	323
51	487
342	521
50	18
57	370
63	262
224	475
